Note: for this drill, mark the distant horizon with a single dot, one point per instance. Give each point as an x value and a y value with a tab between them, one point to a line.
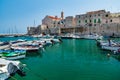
17	15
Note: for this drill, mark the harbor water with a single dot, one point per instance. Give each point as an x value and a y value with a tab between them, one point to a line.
73	59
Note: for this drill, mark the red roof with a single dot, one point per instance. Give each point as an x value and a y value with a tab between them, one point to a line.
54	18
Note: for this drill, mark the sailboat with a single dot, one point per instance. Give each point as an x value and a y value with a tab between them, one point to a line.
10	35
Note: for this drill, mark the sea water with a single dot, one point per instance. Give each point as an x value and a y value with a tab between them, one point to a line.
73	59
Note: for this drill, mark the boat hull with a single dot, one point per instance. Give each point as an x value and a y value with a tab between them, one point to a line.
66	38
4	76
111	48
15	57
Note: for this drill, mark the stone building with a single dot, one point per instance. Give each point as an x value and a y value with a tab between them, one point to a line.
34	30
53	23
101	22
92	18
69	21
31	30
111	26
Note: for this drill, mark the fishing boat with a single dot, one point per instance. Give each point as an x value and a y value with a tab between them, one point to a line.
111	48
76	36
12	54
26	47
67	36
103	42
93	36
4	45
49	41
18	42
10	68
43	36
108	45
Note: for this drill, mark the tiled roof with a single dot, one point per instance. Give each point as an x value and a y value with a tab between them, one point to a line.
55	18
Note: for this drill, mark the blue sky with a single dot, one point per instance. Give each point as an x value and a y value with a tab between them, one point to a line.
16	15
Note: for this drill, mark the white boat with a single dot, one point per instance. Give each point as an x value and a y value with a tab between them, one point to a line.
26	47
67	36
108	45
75	36
18	42
4	45
93	36
111	48
43	36
10	68
29	46
50	41
103	43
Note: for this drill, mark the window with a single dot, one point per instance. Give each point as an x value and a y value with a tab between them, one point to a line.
99	21
111	20
90	20
90	15
94	20
106	21
85	21
90	24
94	24
98	14
106	15
79	21
58	22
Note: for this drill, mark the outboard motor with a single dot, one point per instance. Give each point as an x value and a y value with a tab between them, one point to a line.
53	42
60	40
12	69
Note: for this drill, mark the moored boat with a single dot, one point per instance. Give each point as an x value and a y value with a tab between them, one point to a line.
12	54
109	45
18	42
67	36
27	47
4	45
10	68
93	36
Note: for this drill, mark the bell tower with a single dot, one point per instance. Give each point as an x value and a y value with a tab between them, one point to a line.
62	15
